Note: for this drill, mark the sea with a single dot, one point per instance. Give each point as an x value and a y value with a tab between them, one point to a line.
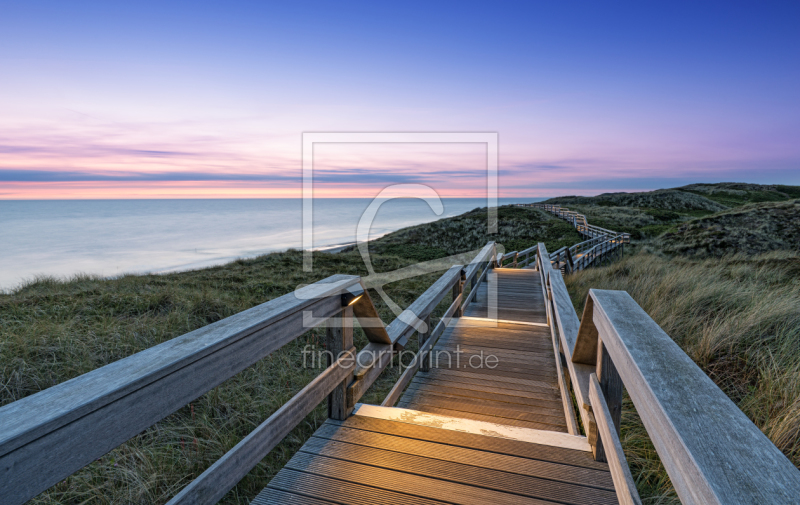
63	238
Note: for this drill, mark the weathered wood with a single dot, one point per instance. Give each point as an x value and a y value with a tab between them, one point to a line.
585	349
566	397
364	310
489	460
458	289
481	259
375	357
617	463
339	339
48	436
610	384
424	337
220	477
473	294
568	324
370	362
408	320
459	471
421	359
712	452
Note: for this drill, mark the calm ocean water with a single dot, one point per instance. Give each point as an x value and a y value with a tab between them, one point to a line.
112	237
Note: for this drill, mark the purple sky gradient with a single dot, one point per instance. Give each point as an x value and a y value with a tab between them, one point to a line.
208	99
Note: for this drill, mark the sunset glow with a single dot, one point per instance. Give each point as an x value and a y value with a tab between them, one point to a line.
212	103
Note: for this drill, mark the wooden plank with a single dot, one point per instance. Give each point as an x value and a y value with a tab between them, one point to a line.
612	388
481	260
360	385
338	340
534	348
277	497
508	381
429	408
408	320
48	436
530	447
227	471
712	452
422	355
474	292
463	424
341	491
483	459
491	387
545	403
401	482
620	472
566	397
488	407
370	321
568	324
585	349
479	478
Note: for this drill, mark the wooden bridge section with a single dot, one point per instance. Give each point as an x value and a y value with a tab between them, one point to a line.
482	414
449	439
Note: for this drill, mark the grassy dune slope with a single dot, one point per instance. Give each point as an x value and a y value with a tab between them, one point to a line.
52	331
751	229
653	213
738	318
518	228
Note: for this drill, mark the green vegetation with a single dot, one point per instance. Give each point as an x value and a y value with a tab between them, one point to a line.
751	229
732	194
737	318
518	228
52	331
654	213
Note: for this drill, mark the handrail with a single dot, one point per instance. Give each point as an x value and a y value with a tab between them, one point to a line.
48	436
712	452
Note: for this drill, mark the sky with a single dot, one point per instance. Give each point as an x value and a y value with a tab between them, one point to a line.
210	99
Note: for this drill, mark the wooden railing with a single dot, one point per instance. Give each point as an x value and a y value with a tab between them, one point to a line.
712	452
602	246
577	220
48	436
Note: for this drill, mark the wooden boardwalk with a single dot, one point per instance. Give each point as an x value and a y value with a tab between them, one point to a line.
486	431
475	417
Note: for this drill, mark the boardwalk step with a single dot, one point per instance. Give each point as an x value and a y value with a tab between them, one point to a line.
367	460
416	417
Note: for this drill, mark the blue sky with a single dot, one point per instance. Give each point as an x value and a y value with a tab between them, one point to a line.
210	98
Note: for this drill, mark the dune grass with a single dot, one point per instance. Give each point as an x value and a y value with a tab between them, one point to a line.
737	317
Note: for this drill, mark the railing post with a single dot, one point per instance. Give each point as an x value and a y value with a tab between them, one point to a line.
424	365
338	339
458	288
611	385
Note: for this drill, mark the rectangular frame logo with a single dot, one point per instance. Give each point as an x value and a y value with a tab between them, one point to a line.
311	138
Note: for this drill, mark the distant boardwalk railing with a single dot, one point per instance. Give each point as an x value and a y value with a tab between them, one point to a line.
602	246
